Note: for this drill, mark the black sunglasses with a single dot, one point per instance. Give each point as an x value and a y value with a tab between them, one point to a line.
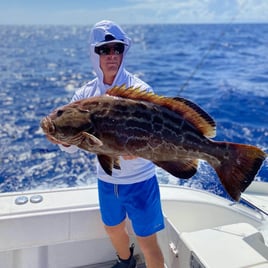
106	50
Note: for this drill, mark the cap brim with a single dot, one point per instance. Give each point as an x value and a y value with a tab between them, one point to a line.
110	42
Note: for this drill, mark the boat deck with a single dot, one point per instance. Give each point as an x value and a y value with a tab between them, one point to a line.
109	264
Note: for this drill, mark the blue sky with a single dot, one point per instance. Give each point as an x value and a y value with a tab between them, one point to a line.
132	11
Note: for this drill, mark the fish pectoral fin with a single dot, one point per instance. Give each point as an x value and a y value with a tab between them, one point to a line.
183	169
91	140
108	163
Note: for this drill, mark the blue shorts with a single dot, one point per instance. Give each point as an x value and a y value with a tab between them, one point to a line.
140	201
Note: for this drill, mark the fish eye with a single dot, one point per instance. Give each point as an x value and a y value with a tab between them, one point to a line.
59	113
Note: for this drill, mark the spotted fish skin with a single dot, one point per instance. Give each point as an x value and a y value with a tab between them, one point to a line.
171	132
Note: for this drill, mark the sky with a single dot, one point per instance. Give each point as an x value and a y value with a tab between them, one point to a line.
77	12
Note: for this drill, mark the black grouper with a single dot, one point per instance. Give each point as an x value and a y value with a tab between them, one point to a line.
173	133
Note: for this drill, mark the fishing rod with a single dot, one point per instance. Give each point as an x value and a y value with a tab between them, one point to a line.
251	204
213	45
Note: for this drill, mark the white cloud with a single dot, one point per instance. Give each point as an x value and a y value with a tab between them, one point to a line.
203	10
253	10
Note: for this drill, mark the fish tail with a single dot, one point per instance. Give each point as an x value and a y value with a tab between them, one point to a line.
239	167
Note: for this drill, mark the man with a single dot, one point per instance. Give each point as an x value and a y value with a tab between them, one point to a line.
133	190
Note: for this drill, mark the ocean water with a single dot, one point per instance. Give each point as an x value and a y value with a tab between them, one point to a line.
223	68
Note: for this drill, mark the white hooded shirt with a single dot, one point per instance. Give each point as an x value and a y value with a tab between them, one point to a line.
132	171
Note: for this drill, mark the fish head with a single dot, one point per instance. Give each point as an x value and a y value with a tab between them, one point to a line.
66	122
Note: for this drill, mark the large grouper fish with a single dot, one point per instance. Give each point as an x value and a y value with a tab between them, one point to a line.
173	133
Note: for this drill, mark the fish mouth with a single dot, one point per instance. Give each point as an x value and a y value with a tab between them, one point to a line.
48	126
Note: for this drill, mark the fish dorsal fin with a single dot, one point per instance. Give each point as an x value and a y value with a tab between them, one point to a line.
185	108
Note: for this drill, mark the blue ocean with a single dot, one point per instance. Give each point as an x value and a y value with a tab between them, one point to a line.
221	67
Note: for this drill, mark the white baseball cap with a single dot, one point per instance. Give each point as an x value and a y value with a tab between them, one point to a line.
106	32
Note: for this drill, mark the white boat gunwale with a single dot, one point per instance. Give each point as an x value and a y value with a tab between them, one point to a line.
64	217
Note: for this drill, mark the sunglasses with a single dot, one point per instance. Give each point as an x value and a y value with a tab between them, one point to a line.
106	50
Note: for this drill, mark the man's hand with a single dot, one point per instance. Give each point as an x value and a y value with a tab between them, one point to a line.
129	157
